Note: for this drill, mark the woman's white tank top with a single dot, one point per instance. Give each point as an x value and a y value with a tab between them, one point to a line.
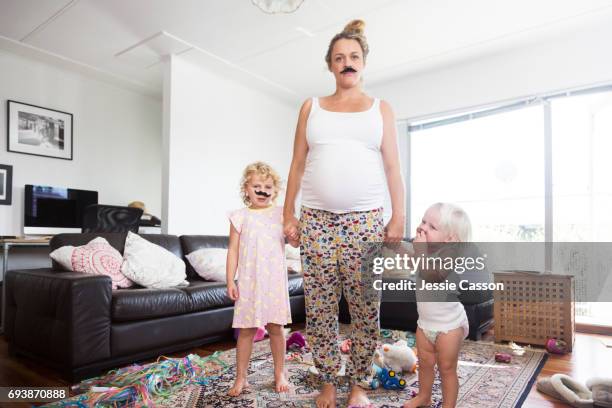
344	170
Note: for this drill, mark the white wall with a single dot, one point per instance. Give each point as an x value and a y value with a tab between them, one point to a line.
214	127
568	61
117	138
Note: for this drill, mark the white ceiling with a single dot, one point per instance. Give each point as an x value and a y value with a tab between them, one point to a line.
125	39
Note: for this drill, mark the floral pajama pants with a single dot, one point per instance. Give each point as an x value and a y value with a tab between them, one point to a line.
332	246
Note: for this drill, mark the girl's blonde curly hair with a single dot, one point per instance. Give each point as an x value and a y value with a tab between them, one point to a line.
261	169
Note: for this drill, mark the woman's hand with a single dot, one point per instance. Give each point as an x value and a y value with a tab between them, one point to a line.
394	231
291	228
232	290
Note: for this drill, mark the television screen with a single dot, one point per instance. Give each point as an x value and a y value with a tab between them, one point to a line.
50	210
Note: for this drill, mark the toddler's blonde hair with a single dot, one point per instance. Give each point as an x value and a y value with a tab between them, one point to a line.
261	169
454	219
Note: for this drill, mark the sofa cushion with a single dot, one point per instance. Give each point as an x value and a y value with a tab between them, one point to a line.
209	263
207	295
98	257
152	265
191	243
142	303
117	241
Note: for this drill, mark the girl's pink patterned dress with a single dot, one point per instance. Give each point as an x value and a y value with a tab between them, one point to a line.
262	275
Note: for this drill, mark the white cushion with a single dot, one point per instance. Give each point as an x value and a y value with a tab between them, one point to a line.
292	258
97	257
209	263
293	265
292	252
150	265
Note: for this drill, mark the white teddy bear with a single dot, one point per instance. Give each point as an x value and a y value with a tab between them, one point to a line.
399	357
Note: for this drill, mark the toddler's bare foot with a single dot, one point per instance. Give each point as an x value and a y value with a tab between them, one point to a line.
282	385
358	397
239	385
327	396
421	400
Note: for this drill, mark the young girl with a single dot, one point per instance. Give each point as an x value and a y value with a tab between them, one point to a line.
442	324
256	254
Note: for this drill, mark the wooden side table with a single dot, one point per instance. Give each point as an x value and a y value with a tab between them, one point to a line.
534	307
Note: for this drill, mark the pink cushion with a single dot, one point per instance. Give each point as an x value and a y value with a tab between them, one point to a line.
98	257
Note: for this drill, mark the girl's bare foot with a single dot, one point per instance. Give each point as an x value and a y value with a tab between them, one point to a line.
327	396
239	385
420	400
282	385
358	397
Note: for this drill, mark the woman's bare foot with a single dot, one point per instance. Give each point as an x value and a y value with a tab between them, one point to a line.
418	401
327	396
281	383
358	397
239	385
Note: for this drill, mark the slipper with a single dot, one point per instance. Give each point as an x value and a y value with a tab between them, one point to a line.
602	391
566	389
544	386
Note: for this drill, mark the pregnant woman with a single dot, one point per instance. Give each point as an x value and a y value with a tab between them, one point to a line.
345	150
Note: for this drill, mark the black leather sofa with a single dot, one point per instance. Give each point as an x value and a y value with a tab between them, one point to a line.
77	324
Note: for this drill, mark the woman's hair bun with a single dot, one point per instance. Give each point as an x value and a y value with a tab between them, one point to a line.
355	26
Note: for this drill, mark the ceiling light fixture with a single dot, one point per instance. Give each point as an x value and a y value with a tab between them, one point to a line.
278	6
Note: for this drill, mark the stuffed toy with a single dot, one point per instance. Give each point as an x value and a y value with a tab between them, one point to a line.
378	359
399	357
296	341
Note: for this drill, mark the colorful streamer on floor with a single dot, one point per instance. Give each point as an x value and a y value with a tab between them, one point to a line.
141	385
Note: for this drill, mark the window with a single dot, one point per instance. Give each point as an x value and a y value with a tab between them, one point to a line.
494	164
491	166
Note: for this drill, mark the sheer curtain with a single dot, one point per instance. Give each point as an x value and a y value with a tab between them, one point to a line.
582	182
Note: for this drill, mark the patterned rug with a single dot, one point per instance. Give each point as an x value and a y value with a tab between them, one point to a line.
484	383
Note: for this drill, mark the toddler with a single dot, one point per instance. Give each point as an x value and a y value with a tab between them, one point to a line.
442	324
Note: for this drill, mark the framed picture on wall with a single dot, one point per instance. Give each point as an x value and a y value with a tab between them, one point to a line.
6	184
39	131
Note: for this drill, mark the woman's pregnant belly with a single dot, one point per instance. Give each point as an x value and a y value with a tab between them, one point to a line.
343	177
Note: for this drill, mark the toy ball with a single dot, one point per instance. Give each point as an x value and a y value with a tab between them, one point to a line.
556	346
503	357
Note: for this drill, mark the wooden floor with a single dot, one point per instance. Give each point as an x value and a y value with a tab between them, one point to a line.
590	358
